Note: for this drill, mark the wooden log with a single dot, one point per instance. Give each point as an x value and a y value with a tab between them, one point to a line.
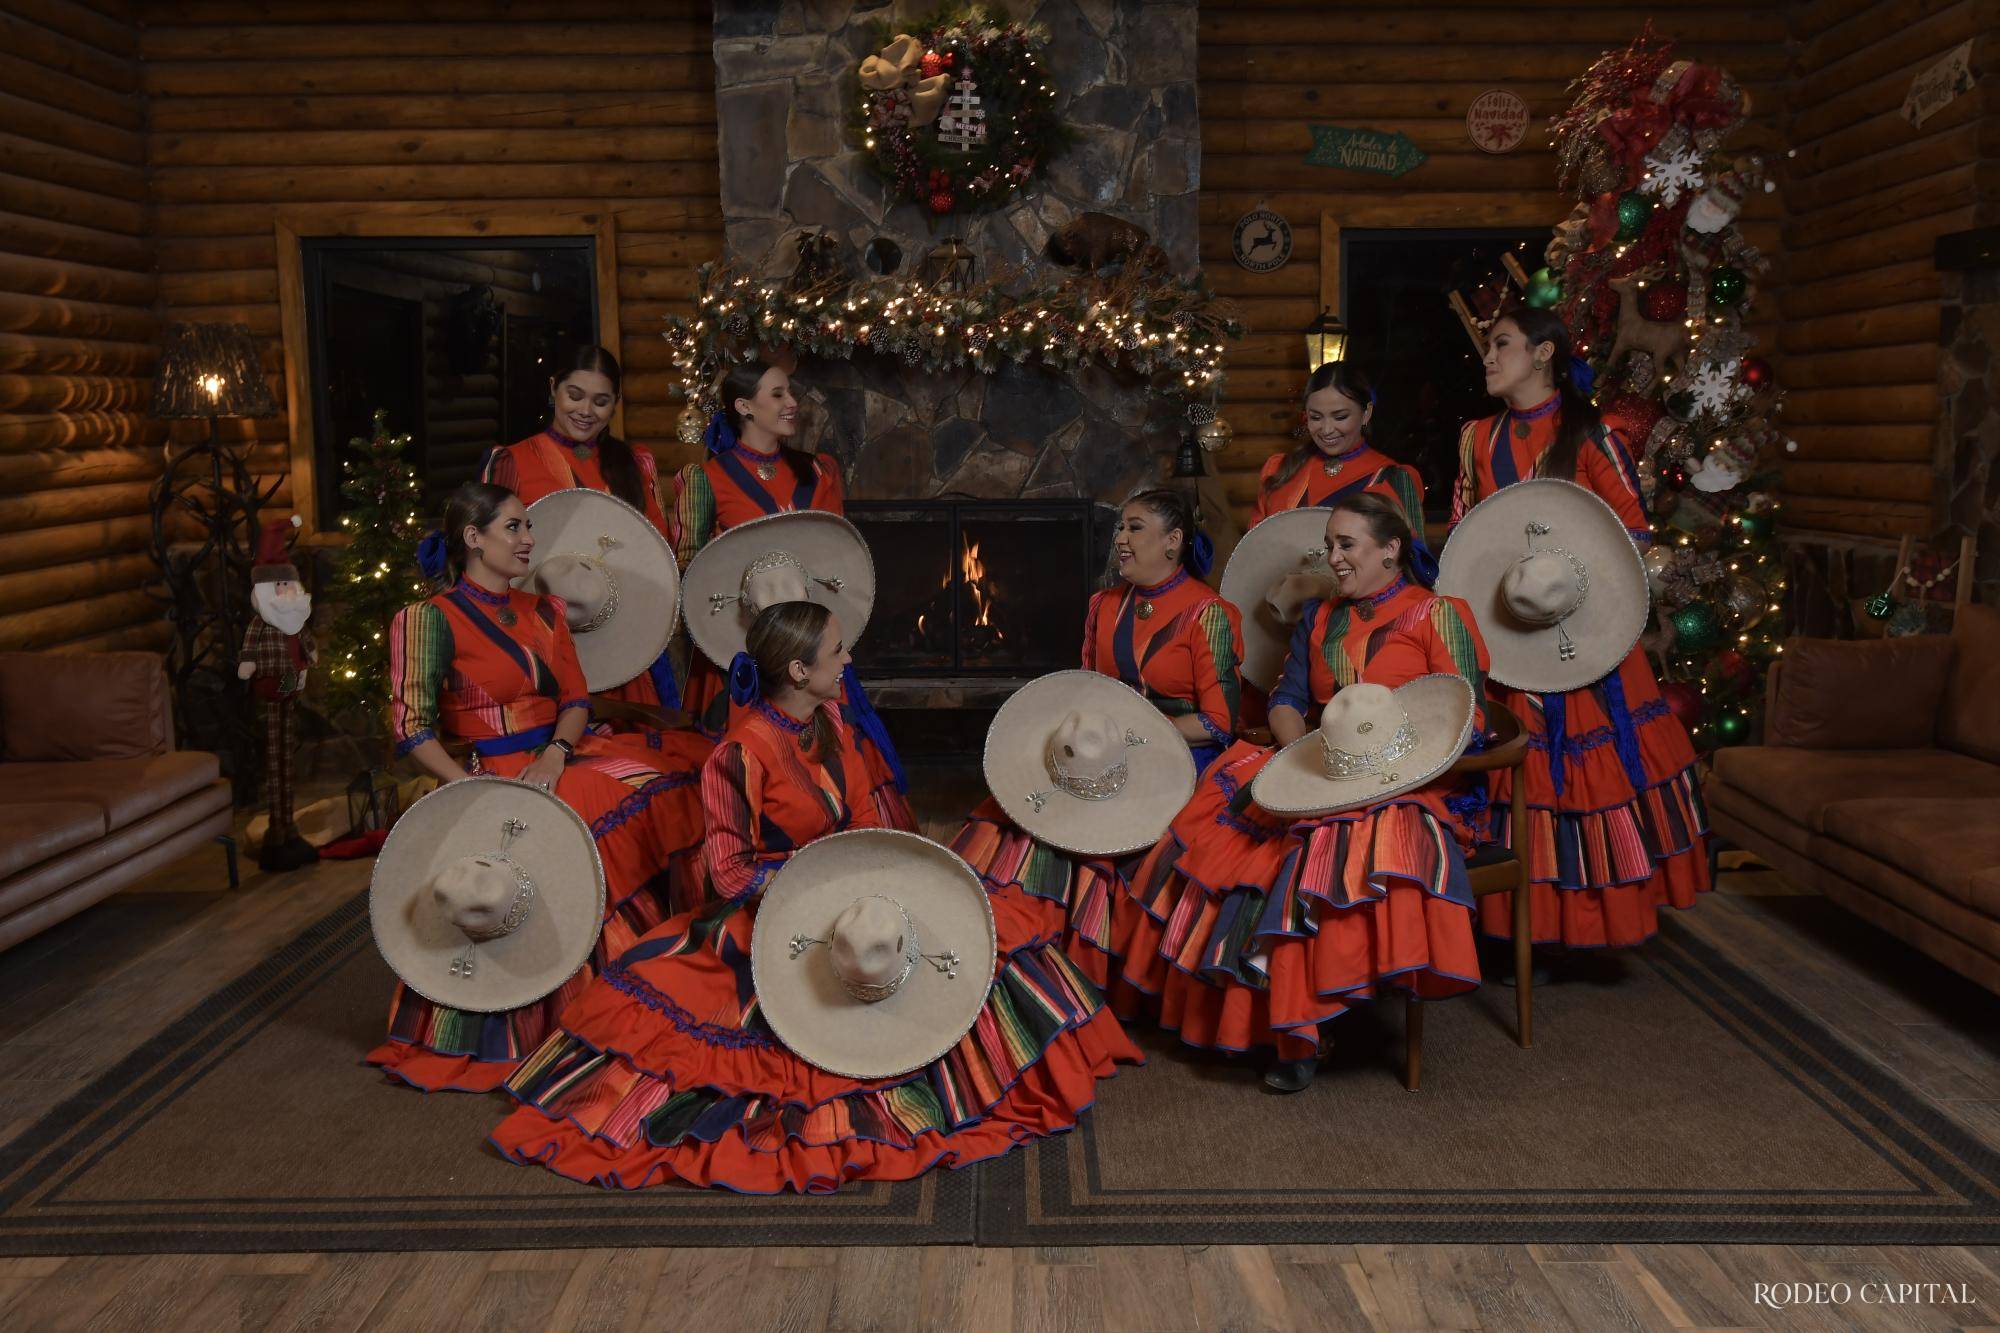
55	469
1443	172
1916	279
1291	280
640	283
1833	38
1448	208
220	287
1881	327
72	133
1906	363
441	42
48	239
31	275
1878	210
1892	482
1878	518
1600	26
1913	240
1839	443
52	88
425	111
487	385
481	146
51	50
262	320
45	509
464	74
41	547
193	254
117	37
28	589
57	203
453	182
81	319
72	393
1361	62
25	351
146	636
1879	404
71	169
1901	41
1881	92
1896	166
25	631
688	214
25	433
1877	134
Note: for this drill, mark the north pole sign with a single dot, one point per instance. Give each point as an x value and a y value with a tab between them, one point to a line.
1497	121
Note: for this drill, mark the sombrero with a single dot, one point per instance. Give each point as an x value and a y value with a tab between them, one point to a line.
797	557
1278	566
1554	580
872	952
1082	762
487	895
617	578
1373	743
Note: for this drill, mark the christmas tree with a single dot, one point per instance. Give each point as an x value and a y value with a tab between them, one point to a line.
1655	280
376	575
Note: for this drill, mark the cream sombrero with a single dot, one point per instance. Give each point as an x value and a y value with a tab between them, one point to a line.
1554	580
1278	566
1373	743
797	557
872	952
615	573
487	895
1083	762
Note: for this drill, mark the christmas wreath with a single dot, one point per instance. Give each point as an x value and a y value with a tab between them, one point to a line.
959	115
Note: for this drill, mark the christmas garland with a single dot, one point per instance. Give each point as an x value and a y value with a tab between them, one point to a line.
959	116
1168	330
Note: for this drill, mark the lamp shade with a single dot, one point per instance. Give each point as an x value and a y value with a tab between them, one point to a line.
210	370
1326	340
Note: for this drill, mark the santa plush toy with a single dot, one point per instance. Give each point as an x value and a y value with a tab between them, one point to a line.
277	649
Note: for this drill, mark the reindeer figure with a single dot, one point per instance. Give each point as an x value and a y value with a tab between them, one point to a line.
1664	341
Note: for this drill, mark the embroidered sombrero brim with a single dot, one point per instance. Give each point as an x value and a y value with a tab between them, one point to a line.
1290	542
647	580
802	997
830	548
1159	773
1492	538
1440	709
465	818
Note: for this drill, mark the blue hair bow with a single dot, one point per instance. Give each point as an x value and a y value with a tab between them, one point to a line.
1423	564
1582	376
719	437
745	685
1201	555
431	555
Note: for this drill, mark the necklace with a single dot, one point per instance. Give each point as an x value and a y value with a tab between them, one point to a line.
584	449
498	600
766	465
1365	606
1146	595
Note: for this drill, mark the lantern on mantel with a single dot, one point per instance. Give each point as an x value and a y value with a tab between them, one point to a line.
1326	339
948	270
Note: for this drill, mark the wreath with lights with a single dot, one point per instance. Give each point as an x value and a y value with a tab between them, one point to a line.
959	115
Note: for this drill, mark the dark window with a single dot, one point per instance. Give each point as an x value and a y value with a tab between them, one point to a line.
1403	332
453	342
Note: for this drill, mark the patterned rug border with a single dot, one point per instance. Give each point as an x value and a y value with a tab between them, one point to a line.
1843	1075
66	1141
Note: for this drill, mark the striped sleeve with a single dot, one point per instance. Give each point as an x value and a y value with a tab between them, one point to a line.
1459	648
499	468
1218	658
1097	600
693	522
1408	490
830	493
1466	493
732	790
571	689
420	653
1610	472
649	481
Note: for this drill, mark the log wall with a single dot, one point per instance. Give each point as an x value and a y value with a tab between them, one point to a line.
1272	68
550	106
78	331
1868	194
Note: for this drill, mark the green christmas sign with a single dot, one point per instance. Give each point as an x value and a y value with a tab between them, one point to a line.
1356	149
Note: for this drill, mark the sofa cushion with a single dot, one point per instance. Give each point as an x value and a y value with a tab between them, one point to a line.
1969	718
80	706
1944	843
1869	694
126	790
33	831
1801	784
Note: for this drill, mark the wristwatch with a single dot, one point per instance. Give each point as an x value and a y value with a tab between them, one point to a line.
569	751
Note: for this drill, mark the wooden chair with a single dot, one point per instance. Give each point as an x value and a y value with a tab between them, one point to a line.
1867	627
1491	870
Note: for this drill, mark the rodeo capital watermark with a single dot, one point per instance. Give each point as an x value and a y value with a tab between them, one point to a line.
1780	1295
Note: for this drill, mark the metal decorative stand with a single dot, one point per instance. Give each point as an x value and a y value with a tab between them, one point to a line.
205	509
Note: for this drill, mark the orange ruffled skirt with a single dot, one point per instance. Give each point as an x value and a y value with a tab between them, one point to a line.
1059	898
641	796
1247	930
1626	833
664	1071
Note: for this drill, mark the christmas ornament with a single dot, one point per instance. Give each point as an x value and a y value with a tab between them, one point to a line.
1664	301
1697	627
1726	285
1715	208
1745	602
1634	210
1214	435
1732	728
963	124
1880	607
1670	175
1732	670
1714	387
941	202
1756	526
688	427
1659	560
1544	290
1633	415
934	64
1756	372
1683	701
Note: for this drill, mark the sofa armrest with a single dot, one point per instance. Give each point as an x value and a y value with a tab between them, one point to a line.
1857	694
83	706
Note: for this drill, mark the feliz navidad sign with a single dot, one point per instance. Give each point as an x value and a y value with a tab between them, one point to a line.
1354	149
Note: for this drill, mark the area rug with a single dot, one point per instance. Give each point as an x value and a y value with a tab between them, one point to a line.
1669	1096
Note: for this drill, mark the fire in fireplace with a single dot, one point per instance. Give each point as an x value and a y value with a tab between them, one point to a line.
968	588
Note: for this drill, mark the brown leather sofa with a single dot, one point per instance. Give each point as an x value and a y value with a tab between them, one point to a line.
93	794
1879	785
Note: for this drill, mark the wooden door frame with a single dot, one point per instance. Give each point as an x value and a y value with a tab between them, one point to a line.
471	222
1418	212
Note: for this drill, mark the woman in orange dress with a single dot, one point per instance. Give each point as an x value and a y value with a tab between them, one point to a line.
1249	929
1338	458
666	1069
1162	630
483	663
1617	826
750	472
577	450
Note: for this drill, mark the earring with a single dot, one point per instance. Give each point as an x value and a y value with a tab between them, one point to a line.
1388	564
1174	556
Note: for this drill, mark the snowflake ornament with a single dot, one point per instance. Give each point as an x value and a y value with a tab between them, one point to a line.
1716	387
1670	174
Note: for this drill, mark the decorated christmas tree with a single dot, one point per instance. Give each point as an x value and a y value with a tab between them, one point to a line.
376	574
1655	281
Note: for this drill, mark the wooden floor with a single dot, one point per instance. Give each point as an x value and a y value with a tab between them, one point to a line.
73	1001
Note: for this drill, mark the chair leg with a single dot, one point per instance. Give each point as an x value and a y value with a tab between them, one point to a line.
1413	1041
228	841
